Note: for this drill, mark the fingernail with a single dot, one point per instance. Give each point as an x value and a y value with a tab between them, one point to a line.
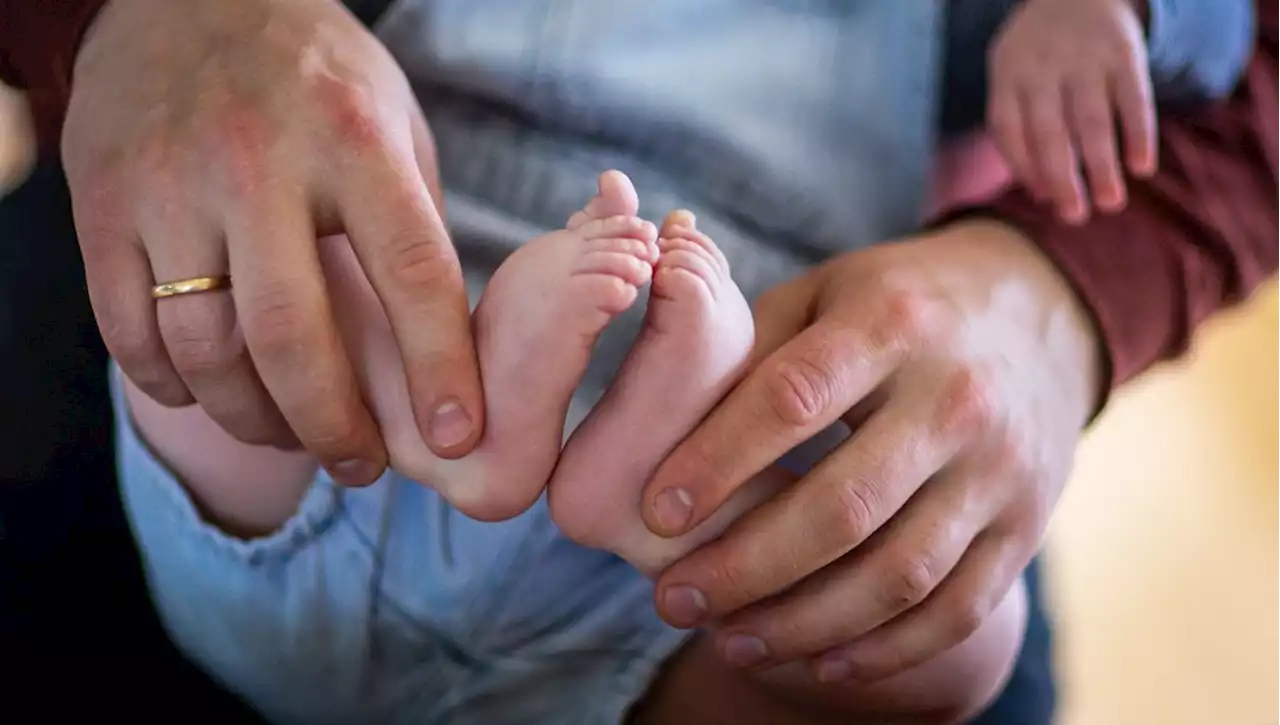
450	425
355	472
672	509
834	671
684	605
743	650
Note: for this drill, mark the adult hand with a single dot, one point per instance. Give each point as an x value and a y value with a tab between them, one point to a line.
214	138
967	369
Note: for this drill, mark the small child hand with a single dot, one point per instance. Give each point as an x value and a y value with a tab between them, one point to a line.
1061	72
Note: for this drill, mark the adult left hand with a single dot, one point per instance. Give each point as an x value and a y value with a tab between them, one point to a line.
967	368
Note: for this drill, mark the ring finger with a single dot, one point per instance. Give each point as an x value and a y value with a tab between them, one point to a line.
201	334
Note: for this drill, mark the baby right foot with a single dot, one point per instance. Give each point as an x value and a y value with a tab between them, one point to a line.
696	340
535	328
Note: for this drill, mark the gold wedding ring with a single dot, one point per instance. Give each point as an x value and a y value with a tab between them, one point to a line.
190	286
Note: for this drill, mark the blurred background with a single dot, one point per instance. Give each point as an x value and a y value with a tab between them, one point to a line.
1162	566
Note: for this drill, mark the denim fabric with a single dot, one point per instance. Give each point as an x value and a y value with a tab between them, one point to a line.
385	605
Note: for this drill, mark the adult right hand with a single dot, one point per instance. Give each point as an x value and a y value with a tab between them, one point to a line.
216	138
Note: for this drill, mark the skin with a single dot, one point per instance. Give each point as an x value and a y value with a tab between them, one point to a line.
1064	75
232	158
966	367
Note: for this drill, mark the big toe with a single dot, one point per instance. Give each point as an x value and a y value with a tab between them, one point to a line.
615	196
680	232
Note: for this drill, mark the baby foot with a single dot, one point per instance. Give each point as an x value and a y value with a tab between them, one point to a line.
696	341
535	328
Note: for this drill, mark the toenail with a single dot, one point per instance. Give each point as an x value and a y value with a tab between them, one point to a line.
450	425
684	218
672	509
743	650
684	606
834	670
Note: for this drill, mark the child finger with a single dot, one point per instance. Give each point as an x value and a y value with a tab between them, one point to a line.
1005	119
1131	91
1093	129
1058	166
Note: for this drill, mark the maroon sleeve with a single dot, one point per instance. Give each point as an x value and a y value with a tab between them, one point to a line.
1201	235
38	44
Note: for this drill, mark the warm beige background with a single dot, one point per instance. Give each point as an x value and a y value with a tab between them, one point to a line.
1163	555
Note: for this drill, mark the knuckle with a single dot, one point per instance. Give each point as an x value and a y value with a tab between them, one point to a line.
414	261
1015	460
906	315
968	403
194	352
732	579
1093	121
801	391
196	347
352	110
966	618
910	579
239	134
275	319
857	506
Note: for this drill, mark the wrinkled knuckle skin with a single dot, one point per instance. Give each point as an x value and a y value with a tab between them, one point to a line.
199	355
275	320
416	263
196	349
911	579
801	391
857	511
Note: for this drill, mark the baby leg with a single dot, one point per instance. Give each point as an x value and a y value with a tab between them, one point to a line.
245	490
